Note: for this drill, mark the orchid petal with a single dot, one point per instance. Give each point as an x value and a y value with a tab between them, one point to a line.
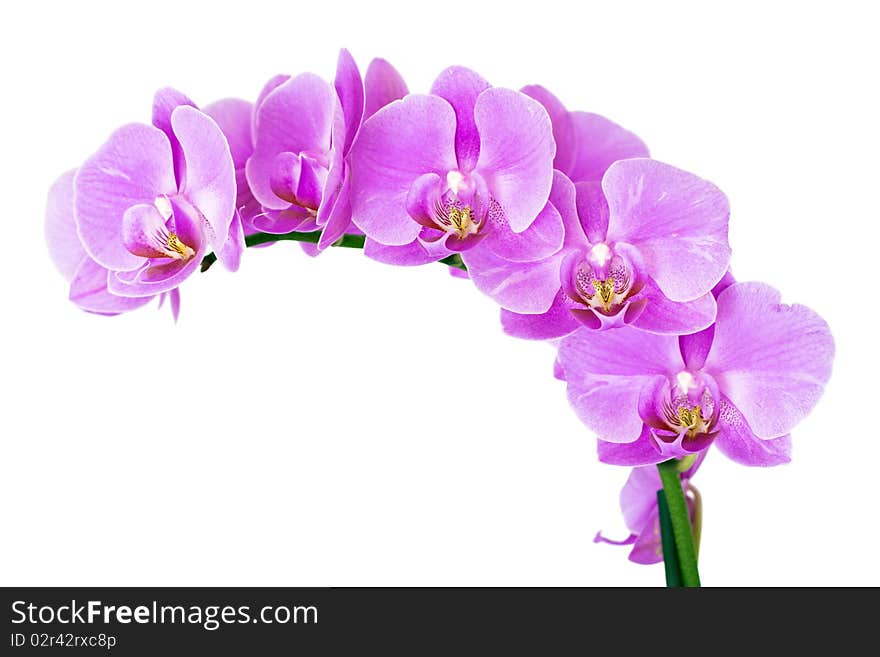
230	255
65	248
134	166
461	87
606	371
401	142
88	290
660	315
541	240
152	279
270	86
638	497
424	198
339	220
382	85
165	101
350	89
210	173
641	451
738	443
143	231
677	221
234	116
408	255
592	209
595	143
563	196
557	322
695	348
770	359
516	153
521	287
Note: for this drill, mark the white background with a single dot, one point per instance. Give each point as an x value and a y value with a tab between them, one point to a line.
340	422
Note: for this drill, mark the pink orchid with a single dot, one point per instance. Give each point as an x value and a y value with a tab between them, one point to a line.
437	174
742	384
638	502
145	209
304	129
644	248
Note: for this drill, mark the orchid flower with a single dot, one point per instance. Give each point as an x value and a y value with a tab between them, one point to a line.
148	169
154	199
437	174
304	129
297	163
643	248
638	503
742	384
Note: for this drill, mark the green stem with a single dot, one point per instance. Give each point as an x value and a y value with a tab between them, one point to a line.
670	556
346	241
681	523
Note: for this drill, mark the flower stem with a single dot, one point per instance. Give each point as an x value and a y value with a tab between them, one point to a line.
346	241
670	556
680	520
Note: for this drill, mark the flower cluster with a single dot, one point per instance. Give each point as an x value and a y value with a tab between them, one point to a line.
560	216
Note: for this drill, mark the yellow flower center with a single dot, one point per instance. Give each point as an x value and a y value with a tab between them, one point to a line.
692	420
605	291
462	221
176	249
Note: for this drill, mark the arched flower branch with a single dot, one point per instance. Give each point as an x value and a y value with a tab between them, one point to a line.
560	216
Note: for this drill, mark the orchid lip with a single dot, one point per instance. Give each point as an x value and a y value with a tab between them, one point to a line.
456	207
686	409
176	249
603	280
155	231
299	179
169	242
456	219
